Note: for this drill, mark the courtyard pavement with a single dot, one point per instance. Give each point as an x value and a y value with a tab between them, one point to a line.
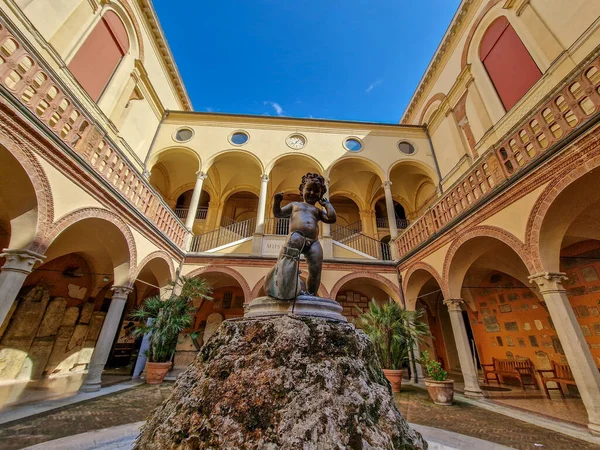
137	403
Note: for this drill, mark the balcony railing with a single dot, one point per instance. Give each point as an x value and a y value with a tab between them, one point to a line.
383	222
341	233
280	227
40	91
182	213
571	106
223	236
361	242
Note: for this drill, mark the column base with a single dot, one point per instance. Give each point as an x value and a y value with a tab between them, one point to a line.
473	394
257	243
91	387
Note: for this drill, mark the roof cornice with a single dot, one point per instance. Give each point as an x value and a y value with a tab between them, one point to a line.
151	18
450	37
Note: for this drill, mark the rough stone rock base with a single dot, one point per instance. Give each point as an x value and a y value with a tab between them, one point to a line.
282	383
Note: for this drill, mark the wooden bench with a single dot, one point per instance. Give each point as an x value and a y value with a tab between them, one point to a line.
510	367
560	373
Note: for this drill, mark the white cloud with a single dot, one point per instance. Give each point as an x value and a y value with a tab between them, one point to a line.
373	85
209	109
276	106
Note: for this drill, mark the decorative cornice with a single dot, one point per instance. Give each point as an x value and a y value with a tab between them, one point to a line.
451	36
165	52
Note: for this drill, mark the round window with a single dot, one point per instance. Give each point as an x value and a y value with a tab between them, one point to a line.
183	134
353	145
239	138
406	148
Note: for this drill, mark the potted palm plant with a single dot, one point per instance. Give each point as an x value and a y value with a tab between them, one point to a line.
170	318
394	331
441	389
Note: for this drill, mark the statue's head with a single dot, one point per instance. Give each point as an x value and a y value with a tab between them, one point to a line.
312	188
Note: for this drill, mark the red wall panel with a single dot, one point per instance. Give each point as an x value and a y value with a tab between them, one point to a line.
508	63
100	54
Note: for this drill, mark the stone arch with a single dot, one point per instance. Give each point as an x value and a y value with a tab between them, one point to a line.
126	14
376	168
474	27
547	198
416	267
41	186
159	254
228	271
370	275
421	165
257	287
154	158
86	213
350	195
312	159
241	188
213	159
439	97
496	233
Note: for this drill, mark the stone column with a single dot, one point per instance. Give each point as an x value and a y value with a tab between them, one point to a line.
573	342
260	216
19	264
110	328
463	347
326	239
389	206
262	204
193	209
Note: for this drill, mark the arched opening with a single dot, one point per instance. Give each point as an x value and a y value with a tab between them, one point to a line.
56	319
415	184
285	176
99	56
152	280
355	294
233	172
227	302
182	205
173	171
18	205
509	65
381	217
347	211
506	316
423	292
238	207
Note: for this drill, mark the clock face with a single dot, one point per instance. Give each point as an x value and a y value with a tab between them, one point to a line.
296	141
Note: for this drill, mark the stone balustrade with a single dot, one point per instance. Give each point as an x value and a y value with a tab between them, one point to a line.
58	109
567	109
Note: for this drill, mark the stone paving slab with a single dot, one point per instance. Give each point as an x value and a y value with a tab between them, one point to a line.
136	404
471	420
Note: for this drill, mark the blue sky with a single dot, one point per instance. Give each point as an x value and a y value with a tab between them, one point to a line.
346	60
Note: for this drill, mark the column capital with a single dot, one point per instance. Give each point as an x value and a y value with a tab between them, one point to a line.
387	184
20	260
201	175
549	281
454	304
121	292
264	178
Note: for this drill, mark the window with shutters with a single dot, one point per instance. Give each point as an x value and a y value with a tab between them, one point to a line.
508	63
99	56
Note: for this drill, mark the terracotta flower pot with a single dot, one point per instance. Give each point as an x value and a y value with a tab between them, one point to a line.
395	378
156	372
441	392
